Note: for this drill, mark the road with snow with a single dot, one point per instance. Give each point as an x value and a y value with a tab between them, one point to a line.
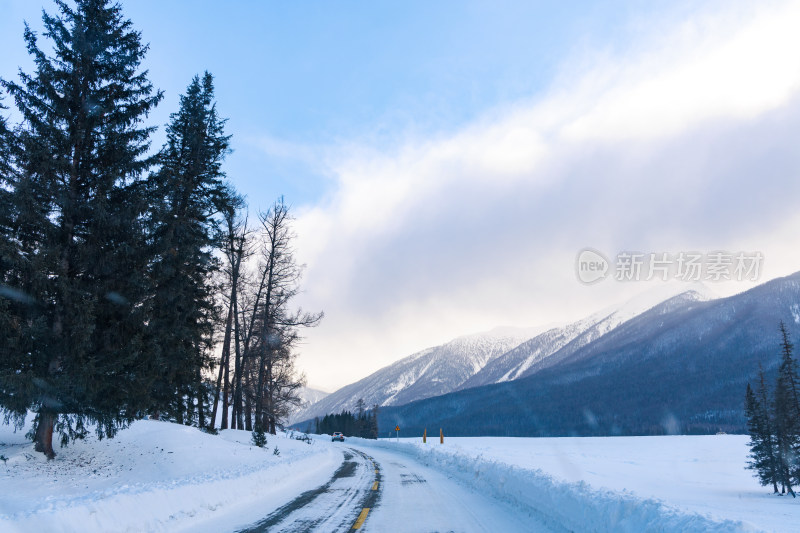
378	490
338	505
159	476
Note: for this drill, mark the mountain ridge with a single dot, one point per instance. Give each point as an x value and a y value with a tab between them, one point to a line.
500	354
428	372
679	367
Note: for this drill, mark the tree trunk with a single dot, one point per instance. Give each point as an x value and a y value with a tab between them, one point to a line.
246	356
260	393
248	407
44	434
270	411
226	388
201	412
236	416
179	405
217	388
226	348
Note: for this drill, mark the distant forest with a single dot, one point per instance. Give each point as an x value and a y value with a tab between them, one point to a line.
362	423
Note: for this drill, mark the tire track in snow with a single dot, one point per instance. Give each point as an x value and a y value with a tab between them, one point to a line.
341	504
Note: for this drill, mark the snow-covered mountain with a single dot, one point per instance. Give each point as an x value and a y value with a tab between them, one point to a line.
681	366
502	354
535	354
427	373
308	397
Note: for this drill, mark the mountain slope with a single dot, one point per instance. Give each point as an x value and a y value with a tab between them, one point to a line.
681	366
308	397
535	354
430	372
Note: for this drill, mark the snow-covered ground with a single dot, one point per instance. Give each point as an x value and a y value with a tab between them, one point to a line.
673	483
158	476
154	476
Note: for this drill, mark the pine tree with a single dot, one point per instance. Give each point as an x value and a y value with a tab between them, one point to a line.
787	412
361	418
5	151
7	246
190	198
373	425
763	450
784	439
259	437
79	159
16	332
12	300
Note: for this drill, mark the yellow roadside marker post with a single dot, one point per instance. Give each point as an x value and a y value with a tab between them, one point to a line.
425	436
441	436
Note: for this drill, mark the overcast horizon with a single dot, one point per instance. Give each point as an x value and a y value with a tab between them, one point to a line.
447	163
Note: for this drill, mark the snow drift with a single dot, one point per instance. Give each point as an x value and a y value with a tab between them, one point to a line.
562	506
154	476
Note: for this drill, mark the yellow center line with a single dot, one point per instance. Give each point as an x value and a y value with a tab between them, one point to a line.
361	518
376	471
375	486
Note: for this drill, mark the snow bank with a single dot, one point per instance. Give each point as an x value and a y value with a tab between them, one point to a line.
154	476
569	506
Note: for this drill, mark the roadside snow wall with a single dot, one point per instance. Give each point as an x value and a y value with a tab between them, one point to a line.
562	506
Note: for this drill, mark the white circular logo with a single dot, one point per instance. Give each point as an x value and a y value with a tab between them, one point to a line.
591	266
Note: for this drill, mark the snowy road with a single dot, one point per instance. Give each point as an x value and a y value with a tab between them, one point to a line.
338	505
377	490
415	498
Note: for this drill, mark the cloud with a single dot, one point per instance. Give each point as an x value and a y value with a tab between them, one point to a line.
686	141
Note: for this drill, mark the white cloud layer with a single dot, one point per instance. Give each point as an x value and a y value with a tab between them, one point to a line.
689	141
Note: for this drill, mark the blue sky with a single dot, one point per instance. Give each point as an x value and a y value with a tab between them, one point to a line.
447	161
296	76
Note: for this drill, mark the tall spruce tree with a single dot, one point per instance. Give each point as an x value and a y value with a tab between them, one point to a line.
5	151
18	324
787	411
77	269
7	246
763	450
11	299
784	439
190	199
